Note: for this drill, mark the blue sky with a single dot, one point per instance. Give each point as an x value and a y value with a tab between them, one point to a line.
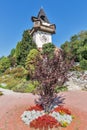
70	17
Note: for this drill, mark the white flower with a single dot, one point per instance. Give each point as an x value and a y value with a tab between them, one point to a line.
62	118
29	116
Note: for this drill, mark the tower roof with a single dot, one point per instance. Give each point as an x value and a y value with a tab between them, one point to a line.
42	16
42	23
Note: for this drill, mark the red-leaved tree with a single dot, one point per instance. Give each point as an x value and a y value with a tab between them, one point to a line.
50	72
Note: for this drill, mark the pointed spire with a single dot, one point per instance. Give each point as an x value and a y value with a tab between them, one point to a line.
42	16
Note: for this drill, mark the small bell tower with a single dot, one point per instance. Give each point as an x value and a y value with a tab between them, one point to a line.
42	29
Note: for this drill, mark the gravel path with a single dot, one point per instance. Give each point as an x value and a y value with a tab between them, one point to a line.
12	105
6	91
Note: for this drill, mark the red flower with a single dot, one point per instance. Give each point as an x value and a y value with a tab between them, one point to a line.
45	121
61	109
36	108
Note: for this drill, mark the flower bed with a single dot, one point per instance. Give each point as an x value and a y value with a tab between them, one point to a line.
36	118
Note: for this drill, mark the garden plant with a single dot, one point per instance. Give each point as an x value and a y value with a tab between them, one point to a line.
49	111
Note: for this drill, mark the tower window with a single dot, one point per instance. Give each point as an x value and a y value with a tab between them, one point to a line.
42	17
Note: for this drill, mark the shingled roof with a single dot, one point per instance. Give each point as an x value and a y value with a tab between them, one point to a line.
42	16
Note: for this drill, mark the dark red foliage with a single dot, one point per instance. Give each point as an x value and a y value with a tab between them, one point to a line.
44	121
50	72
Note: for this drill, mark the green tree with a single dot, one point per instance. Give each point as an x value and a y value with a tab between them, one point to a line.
83	64
74	48
12	58
74	38
77	46
18	53
12	53
13	62
4	64
23	48
82	52
67	50
82	35
48	49
31	60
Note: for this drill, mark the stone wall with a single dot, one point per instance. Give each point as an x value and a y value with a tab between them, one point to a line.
77	80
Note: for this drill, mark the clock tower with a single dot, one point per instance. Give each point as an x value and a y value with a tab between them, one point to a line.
42	29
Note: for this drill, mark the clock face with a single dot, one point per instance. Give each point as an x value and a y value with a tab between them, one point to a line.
44	38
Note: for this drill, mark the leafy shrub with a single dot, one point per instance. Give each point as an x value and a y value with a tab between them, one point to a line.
8	71
11	83
60	89
4	64
83	64
19	75
13	61
48	49
25	87
31	60
76	68
3	85
31	87
18	72
18	69
50	72
20	87
4	80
